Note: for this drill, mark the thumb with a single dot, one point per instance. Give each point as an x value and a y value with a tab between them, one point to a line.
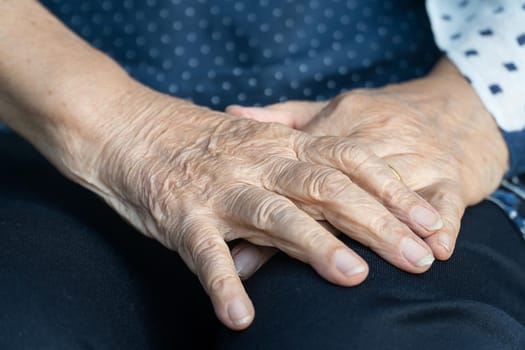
248	258
444	195
295	114
448	202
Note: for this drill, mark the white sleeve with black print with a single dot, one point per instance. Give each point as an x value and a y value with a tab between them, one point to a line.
486	41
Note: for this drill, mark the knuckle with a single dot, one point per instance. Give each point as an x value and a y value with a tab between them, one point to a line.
347	154
270	210
219	283
327	184
381	226
314	241
228	198
355	156
454	225
205	248
392	191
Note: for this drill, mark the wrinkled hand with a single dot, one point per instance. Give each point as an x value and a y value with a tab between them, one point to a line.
434	131
194	179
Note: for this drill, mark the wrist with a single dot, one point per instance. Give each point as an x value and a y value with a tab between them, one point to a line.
458	91
94	117
115	131
451	105
68	118
467	110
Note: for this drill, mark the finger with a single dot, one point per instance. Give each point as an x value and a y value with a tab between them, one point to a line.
294	114
208	255
294	232
353	211
249	258
446	199
262	115
375	176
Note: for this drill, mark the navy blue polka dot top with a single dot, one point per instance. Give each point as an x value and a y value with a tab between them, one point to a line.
256	52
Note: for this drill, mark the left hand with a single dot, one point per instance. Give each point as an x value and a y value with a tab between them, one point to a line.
434	131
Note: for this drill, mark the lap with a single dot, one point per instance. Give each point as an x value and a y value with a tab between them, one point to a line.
473	301
73	275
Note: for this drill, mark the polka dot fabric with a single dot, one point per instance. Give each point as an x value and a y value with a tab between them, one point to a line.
486	40
253	52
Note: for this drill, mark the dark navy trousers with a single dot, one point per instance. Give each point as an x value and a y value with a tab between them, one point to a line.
73	275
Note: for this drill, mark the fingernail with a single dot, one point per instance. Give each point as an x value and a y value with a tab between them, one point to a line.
238	313
426	218
444	241
347	263
415	253
246	261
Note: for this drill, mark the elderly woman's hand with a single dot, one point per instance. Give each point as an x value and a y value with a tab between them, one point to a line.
434	131
194	179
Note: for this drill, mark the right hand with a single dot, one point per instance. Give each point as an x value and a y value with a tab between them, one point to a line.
194	179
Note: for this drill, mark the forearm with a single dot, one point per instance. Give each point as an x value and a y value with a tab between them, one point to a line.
54	88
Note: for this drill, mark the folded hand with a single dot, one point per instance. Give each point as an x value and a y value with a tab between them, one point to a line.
434	132
195	179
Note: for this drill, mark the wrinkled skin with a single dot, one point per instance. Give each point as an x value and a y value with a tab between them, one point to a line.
434	131
194	179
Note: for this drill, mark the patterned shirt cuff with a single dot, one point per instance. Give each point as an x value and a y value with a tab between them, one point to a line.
516	143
